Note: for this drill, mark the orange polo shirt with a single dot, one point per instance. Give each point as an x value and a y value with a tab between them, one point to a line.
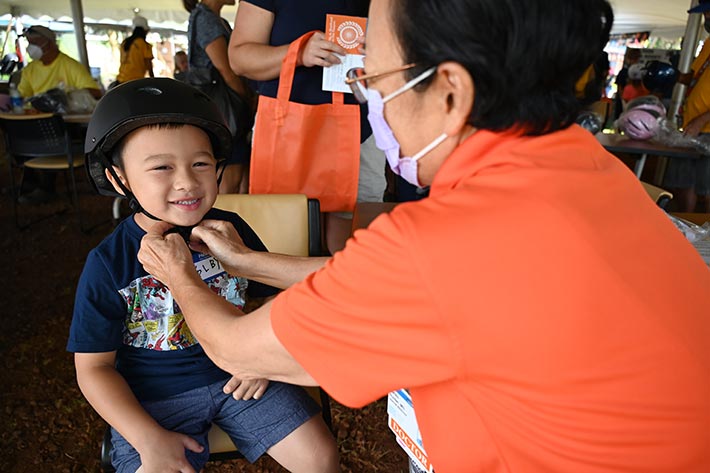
543	311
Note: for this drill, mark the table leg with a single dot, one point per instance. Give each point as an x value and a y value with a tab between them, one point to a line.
638	168
660	170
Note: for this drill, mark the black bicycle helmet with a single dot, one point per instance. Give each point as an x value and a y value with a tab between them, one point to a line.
660	78
141	102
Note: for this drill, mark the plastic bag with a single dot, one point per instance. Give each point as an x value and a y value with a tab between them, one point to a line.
590	121
692	231
645	118
80	101
52	101
668	135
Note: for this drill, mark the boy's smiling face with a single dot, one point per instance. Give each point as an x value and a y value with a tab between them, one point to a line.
171	172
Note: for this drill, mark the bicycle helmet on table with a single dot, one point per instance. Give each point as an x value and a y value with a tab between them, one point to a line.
641	120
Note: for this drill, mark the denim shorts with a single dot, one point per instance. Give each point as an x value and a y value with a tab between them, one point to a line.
254	425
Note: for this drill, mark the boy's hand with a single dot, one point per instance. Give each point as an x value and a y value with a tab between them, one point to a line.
165	453
163	254
246	389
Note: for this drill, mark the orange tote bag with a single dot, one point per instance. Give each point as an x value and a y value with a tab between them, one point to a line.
306	149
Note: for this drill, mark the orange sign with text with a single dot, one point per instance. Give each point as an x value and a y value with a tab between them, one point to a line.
345	31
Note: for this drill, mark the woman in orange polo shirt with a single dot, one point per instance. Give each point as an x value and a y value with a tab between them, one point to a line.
537	325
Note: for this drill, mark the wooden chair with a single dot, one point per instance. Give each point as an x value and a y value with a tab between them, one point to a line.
287	224
41	142
660	196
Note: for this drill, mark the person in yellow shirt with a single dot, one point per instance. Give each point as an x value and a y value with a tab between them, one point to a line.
136	54
689	179
50	67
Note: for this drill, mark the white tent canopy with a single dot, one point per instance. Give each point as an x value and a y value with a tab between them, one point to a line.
666	18
662	17
160	13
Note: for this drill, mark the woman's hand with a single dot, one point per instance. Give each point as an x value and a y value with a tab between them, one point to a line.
320	52
164	255
245	389
221	240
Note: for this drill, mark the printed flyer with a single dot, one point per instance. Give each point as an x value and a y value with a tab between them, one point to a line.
344	31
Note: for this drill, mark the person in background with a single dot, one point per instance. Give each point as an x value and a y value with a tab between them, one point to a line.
208	36
136	54
632	56
181	65
689	179
634	87
518	303
589	88
263	31
50	68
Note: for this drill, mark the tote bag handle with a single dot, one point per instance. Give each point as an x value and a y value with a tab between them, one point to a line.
288	69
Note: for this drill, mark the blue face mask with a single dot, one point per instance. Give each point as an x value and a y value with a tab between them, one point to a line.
384	137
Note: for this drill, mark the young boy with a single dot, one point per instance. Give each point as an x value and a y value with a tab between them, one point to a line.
157	141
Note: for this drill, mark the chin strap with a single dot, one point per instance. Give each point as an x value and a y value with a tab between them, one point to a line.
132	201
184	232
221	166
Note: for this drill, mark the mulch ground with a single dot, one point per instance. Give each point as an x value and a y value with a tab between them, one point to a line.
47	425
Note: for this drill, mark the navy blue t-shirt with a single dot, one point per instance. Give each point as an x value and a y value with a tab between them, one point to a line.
291	21
119	307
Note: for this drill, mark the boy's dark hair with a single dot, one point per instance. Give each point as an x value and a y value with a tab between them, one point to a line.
524	56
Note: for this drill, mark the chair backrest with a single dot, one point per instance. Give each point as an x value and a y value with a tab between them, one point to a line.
35	135
660	196
287	223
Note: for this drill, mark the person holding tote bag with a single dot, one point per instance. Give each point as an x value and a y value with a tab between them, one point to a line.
209	71
264	31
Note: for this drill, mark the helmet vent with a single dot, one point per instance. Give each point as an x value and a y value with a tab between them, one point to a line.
150	90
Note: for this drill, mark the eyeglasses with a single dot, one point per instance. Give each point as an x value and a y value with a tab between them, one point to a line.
357	80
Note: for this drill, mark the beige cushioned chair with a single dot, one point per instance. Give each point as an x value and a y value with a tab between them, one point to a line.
287	224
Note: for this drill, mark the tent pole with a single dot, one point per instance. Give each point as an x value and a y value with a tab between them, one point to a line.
77	11
687	54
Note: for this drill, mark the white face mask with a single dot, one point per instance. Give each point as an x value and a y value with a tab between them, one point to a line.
34	51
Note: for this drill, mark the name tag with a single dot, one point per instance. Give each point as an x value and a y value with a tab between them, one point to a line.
208	268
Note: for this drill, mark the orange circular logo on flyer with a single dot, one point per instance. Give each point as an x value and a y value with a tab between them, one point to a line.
348	33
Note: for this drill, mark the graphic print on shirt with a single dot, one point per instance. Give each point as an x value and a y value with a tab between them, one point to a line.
154	320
